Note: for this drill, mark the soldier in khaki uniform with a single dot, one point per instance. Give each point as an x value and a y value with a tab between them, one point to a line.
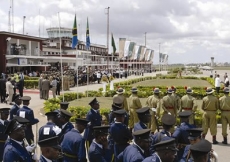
225	113
134	104
210	105
169	105
188	104
177	98
120	95
154	101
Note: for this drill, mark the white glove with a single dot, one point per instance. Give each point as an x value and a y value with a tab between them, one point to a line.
31	148
169	113
35	157
154	109
57	130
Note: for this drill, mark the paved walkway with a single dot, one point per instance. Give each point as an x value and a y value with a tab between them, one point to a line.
37	104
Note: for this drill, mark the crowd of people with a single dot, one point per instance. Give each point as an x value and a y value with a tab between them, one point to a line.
132	134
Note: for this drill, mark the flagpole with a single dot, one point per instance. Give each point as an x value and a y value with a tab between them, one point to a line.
159	57
63	99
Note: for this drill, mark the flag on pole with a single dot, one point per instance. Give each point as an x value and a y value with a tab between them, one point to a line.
113	45
87	35
74	33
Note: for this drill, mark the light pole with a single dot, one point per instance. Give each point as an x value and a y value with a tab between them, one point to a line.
145	38
159	57
107	37
24	17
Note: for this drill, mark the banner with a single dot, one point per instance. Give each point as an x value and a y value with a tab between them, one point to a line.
148	56
126	48
136	48
22	61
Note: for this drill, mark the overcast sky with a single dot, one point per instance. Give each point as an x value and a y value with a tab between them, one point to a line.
190	31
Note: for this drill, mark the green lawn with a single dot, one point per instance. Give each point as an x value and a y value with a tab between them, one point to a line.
174	82
222	68
106	102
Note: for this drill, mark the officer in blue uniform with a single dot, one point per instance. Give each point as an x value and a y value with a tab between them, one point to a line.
98	151
120	133
112	117
144	118
200	151
181	134
94	117
50	150
139	150
4	113
66	124
73	144
167	122
50	129
26	112
14	148
165	151
64	105
194	137
14	109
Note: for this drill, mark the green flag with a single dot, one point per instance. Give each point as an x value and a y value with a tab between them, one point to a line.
113	45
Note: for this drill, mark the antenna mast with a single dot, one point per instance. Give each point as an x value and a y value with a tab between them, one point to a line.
12	7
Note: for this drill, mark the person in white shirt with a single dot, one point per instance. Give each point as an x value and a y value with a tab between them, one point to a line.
98	77
226	82
217	83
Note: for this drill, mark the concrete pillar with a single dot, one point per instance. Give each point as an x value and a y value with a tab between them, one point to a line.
29	48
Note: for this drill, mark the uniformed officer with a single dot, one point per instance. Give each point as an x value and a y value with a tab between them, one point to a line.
194	137
139	150
73	144
112	117
66	124
188	104
225	113
64	105
26	112
121	96
169	104
144	119
177	98
168	121
181	134
50	150
200	150
14	109
98	150
94	117
165	151
50	129
154	101
4	113
14	148
120	133
134	104
210	105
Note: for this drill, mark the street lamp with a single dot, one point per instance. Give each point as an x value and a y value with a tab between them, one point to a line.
107	13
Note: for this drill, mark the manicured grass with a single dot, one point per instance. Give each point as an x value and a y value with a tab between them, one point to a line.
222	68
174	82
106	102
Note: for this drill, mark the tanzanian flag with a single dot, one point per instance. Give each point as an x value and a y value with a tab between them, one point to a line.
87	35
74	33
113	45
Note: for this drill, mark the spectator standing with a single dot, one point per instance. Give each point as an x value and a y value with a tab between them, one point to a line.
9	90
40	86
217	83
54	86
225	76
45	88
226	82
2	89
20	86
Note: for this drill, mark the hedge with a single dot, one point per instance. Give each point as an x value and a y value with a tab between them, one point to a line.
144	91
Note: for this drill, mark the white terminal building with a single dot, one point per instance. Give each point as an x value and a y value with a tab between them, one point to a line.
20	52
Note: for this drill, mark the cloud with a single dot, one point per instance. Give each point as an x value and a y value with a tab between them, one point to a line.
191	30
